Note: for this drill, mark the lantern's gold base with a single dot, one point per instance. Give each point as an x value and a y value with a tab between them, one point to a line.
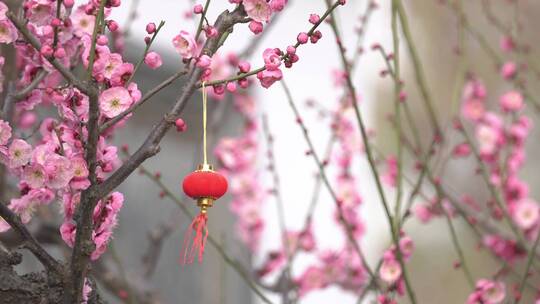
204	203
205	167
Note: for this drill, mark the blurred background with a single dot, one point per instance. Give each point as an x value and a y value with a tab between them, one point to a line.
435	32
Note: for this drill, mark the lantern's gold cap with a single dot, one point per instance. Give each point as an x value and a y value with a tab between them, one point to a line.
205	167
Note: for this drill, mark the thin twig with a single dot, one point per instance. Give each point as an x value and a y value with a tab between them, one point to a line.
276	191
346	225
418	68
526	274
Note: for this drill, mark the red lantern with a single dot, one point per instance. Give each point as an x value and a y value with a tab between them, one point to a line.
204	185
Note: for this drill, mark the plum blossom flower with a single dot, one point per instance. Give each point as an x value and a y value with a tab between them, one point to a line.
20	153
255	27
35	176
507	44
68	231
278	5
83	23
204	61
267	78
5	132
312	279
461	150
473	109
390	176
8	32
80	174
526	213
423	213
153	60
105	219
390	270
122	74
511	101
39	12
272	59
59	170
3	10
258	10
508	70
114	101
488	138
112	62
347	191
26	205
487	292
406	246
185	45
505	249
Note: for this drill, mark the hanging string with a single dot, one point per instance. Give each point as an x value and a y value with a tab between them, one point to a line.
205	157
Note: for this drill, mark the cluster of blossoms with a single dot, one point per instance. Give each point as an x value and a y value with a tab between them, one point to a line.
501	139
500	136
487	292
501	146
342	266
391	271
50	164
217	69
238	159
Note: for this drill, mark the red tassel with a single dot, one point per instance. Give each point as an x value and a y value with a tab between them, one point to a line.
197	246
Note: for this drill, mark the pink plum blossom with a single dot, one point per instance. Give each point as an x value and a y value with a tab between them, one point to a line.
114	101
82	22
272	59
5	132
508	70
511	101
258	10
8	32
185	45
35	175
267	78
390	270
423	213
473	109
153	60
3	10
278	5
59	170
255	27
20	153
526	213
487	292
